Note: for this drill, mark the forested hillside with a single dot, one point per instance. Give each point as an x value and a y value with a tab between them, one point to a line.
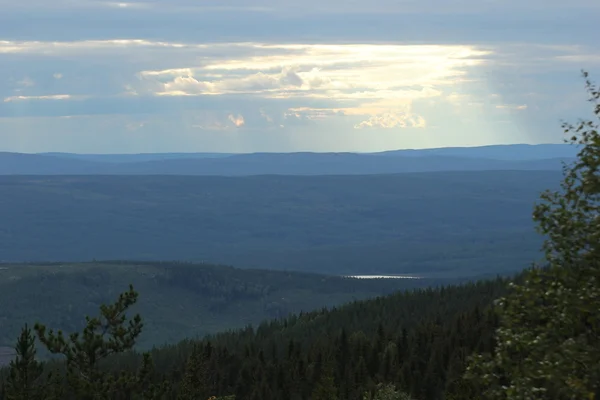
463	224
179	300
418	340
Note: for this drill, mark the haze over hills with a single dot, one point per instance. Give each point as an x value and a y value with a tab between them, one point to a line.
291	159
496	152
456	223
506	157
140	157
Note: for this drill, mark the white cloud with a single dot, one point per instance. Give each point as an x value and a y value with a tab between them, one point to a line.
123	5
511	106
254	83
238	121
73	47
402	118
268	118
26	82
134	126
45	97
304	116
311	75
365	80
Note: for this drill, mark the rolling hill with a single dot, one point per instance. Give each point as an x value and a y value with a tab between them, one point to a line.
178	300
513	157
430	224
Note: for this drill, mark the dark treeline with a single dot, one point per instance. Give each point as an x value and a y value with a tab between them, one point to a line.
416	340
178	300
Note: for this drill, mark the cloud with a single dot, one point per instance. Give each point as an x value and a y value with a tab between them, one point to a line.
364	80
315	75
403	118
72	47
128	5
267	117
25	82
46	97
135	125
511	106
238	121
209	120
254	83
312	21
309	6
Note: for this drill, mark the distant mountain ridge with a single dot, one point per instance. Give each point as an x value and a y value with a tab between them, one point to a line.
496	157
497	152
139	157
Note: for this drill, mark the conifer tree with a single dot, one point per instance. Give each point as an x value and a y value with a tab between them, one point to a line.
325	388
25	371
195	383
387	392
85	355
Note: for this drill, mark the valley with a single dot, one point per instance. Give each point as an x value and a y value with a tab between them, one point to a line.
430	224
180	300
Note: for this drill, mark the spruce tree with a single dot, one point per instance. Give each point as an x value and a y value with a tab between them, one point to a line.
24	371
386	392
325	388
195	383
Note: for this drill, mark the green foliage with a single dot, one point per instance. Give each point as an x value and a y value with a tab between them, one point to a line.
25	371
85	376
549	334
102	337
197	381
387	392
181	300
325	388
417	341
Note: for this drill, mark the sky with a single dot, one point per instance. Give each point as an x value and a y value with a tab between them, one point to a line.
96	76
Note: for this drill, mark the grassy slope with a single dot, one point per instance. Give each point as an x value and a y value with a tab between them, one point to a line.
176	301
466	223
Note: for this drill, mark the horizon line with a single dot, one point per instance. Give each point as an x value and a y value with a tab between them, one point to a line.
288	152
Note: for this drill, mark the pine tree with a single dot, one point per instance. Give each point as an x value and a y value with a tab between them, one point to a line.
25	371
386	392
325	388
195	383
103	337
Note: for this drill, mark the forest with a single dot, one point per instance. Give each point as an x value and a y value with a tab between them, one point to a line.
179	300
427	223
534	335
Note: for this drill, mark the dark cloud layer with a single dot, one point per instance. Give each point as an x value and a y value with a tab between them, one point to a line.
573	25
